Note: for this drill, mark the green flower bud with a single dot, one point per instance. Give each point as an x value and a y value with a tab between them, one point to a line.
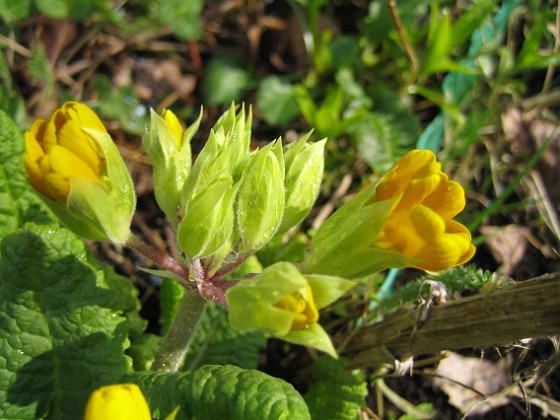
73	163
237	125
208	223
304	172
223	155
168	147
282	302
260	203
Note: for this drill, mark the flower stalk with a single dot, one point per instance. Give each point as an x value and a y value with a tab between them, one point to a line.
173	347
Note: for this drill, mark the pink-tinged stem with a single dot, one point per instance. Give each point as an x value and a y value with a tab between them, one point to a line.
161	259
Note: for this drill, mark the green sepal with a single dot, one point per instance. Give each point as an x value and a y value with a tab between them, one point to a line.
171	164
313	336
209	219
260	203
304	172
223	154
103	209
348	243
237	126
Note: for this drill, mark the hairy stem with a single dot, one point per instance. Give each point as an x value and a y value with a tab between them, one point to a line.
161	259
173	347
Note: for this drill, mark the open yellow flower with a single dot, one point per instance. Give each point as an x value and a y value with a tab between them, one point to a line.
404	221
73	163
420	224
59	149
117	402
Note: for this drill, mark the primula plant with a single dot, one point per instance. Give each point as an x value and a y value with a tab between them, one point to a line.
64	312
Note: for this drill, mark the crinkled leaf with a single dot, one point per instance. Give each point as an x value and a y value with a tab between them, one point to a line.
220	392
63	330
217	343
351	390
18	202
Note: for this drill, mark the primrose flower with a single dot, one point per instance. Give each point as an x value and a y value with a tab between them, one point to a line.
117	402
404	221
75	166
283	303
420	224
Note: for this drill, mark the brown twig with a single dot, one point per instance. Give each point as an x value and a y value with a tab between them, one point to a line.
526	309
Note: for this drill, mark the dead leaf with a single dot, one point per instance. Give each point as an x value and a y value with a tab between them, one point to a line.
471	383
507	244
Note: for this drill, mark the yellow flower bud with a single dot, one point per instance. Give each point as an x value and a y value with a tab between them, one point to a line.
420	224
117	402
72	161
59	149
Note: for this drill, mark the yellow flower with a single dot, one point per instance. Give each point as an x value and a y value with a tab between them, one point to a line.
420	224
301	304
59	150
282	302
72	161
117	402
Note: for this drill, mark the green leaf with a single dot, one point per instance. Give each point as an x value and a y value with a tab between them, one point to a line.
182	16
276	101
215	342
11	11
18	202
220	392
351	390
381	140
63	330
225	80
40	69
57	9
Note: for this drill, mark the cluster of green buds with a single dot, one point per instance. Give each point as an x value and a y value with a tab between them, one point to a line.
233	200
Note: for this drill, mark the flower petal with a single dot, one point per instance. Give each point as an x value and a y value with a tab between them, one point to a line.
447	199
174	126
72	137
120	401
415	164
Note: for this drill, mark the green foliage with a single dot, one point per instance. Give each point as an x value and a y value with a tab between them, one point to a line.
276	101
122	105
221	392
225	80
215	342
18	203
326	403
63	332
57	9
458	279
